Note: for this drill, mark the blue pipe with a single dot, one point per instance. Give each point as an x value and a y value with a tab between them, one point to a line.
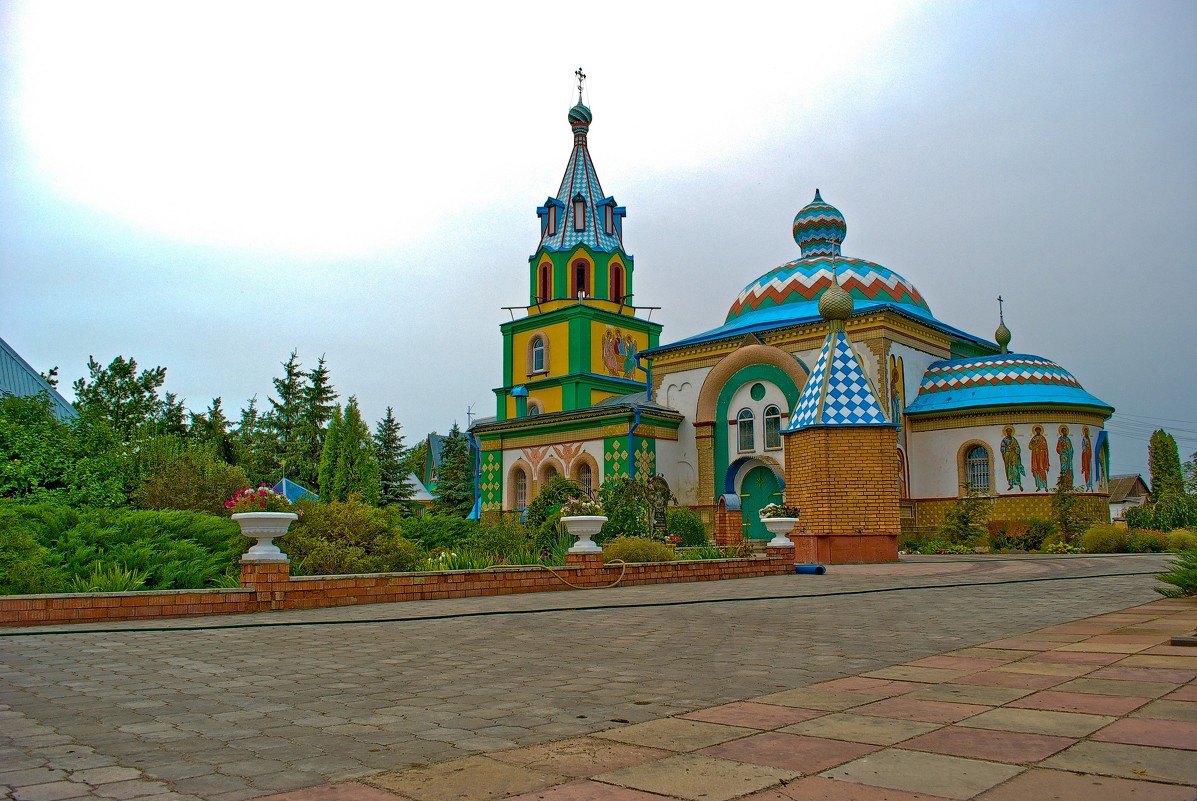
476	511
817	570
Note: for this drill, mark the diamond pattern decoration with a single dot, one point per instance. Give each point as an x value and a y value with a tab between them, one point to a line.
994	370
837	393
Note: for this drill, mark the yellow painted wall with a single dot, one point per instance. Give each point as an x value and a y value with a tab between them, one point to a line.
549	397
558	339
598	395
597	332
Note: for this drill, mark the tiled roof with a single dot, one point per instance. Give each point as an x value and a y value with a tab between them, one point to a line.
580	180
19	379
1122	487
837	392
1007	379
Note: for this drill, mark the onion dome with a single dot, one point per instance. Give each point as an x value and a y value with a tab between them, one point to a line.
835	303
819	228
1004	380
580	117
1002	336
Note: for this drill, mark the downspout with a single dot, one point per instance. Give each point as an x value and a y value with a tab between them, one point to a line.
648	376
476	511
632	443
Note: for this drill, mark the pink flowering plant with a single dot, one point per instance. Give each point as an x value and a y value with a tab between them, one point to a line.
771	510
579	506
262	499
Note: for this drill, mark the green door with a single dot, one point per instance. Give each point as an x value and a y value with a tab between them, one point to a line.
759	487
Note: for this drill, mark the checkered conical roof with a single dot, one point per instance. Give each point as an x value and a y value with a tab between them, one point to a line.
837	392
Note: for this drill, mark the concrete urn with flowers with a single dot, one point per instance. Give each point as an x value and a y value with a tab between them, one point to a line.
262	514
779	521
583	518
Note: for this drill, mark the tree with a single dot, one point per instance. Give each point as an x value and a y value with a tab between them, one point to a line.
348	465
1065	512
1190	470
249	442
455	478
186	475
317	399
282	421
36	449
126	399
1163	460
393	489
965	519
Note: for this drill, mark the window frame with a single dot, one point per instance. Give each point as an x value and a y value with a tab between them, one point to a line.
771	420
745	424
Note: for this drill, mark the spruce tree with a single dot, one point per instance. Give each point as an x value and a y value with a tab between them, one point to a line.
283	419
348	465
328	489
1163	460
127	400
318	397
393	489
249	444
455	478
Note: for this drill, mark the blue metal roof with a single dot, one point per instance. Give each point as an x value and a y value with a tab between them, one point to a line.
19	379
1002	380
294	492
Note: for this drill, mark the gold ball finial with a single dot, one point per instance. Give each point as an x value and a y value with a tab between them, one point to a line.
836	303
1002	334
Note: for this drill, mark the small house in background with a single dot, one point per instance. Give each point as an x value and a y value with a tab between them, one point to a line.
420	494
434	445
1126	492
294	492
19	379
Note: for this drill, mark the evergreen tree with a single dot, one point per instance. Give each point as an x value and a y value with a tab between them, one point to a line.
1163	460
170	422
348	465
393	489
282	421
1190	470
455	478
215	432
318	398
126	399
249	444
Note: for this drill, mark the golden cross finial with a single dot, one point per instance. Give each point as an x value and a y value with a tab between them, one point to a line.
581	80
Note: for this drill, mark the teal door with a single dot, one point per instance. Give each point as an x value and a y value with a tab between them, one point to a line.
758	488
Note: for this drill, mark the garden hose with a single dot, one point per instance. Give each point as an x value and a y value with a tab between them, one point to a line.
623	568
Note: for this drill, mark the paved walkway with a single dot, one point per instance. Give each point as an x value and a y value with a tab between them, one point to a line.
711	690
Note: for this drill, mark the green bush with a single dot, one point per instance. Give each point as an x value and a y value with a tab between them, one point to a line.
1039	532
937	547
332	558
1146	542
504	537
637	549
628	504
1181	540
553	493
187	478
1169	513
110	578
26	565
681	521
1182	575
1104	538
436	532
352	537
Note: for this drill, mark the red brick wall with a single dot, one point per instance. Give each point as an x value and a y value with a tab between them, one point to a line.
269	586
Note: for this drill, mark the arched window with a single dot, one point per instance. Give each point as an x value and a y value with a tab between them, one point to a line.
581	279
616	283
538	354
546	283
586	477
746	436
579	212
519	489
976	468
609	219
772	427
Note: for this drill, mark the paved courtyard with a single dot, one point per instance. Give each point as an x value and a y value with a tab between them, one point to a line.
242	707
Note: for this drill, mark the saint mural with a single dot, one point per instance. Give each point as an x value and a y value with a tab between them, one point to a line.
1086	457
1012	458
896	390
1039	458
619	352
1064	448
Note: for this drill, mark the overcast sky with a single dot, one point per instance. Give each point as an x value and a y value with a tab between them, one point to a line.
207	187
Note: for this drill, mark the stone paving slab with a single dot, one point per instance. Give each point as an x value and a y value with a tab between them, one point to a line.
224	714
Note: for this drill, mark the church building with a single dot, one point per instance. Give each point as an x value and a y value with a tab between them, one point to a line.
829	386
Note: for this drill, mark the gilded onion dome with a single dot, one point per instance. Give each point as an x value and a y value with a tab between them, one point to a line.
835	304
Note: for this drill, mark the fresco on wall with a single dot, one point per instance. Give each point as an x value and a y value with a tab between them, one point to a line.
1012	459
1102	466
619	352
1086	457
1064	448
1039	458
897	389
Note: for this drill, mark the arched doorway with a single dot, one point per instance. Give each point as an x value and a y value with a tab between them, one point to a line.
759	487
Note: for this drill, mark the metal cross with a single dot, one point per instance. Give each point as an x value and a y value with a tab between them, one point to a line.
1001	314
581	79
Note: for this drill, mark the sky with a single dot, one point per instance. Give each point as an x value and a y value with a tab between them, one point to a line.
209	186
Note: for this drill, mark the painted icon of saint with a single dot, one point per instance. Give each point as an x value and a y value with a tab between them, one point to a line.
1064	448
1086	457
1039	458
1012	458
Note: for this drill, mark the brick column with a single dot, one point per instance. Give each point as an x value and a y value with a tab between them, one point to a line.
269	580
729	525
781	552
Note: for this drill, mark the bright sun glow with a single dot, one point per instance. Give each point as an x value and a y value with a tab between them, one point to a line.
334	130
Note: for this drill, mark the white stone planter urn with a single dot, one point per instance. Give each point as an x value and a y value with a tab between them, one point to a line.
264	527
779	527
584	527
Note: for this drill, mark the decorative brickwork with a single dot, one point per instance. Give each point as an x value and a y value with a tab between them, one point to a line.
1030	506
844	481
729	525
269	587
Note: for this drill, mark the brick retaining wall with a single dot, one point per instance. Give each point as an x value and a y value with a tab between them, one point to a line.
269	586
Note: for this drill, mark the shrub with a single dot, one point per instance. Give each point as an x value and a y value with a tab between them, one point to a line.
1104	539
1066	512
1010	535
331	558
502	538
637	549
110	578
192	480
395	553
629	504
964	520
681	521
1182	575
555	492
1059	546
26	565
1181	540
1146	542
1171	512
350	537
434	532
1038	532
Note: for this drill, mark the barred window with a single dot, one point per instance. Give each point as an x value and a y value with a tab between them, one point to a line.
976	468
520	500
586	477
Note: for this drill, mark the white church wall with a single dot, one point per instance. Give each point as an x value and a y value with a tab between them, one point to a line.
679	391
